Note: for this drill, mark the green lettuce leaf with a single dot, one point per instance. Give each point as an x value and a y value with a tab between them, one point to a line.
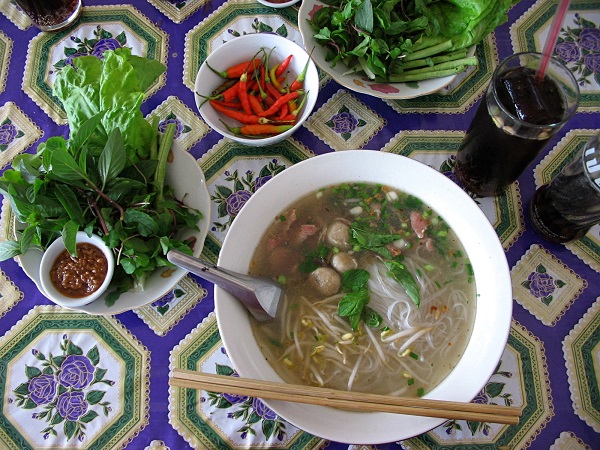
113	87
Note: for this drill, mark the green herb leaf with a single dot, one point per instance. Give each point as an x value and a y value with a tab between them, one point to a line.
364	16
9	249
354	280
113	157
62	165
371	318
69	236
401	274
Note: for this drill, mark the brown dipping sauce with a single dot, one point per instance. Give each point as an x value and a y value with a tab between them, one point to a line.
81	276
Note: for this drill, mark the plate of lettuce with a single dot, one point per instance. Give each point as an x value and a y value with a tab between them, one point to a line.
117	175
397	49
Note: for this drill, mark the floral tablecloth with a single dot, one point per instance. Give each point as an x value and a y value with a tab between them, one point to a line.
69	380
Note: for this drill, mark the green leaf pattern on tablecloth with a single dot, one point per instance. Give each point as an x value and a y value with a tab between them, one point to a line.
232	196
252	412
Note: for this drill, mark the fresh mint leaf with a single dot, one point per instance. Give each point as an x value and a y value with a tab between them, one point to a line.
353	303
354	280
371	318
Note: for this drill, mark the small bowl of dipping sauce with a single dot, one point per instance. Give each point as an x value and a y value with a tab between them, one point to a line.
71	281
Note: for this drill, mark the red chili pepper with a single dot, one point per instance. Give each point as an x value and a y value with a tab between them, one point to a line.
230	94
272	90
284	65
259	130
237	70
230	105
255	105
283	111
248	119
299	81
279	103
243	93
224	86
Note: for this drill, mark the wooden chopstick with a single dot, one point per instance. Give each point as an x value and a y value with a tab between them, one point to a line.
355	401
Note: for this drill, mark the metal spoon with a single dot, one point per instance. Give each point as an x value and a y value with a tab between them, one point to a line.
260	295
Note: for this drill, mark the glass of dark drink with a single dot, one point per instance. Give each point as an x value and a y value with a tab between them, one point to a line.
51	15
567	207
518	115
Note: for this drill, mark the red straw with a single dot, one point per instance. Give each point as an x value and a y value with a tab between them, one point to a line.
552	37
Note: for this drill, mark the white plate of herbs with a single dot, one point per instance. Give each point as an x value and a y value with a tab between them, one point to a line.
118	176
391	51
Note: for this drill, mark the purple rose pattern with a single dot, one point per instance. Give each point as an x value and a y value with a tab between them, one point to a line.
493	394
542	285
345	123
42	388
72	405
180	127
9	133
233	194
248	410
579	48
76	371
100	42
65	387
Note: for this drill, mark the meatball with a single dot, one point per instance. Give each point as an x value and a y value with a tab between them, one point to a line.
338	234
342	261
325	280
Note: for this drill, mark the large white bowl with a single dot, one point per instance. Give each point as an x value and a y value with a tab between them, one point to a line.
244	48
359	82
494	300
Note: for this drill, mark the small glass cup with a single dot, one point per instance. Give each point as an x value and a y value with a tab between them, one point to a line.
514	121
567	207
51	15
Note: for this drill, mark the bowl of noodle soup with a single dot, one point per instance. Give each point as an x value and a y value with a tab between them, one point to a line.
394	283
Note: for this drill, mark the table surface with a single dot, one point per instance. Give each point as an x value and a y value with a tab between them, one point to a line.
114	369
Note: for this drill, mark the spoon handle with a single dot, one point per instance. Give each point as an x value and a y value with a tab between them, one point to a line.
256	294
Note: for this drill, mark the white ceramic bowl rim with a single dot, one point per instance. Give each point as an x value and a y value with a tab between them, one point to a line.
278	5
50	256
494	303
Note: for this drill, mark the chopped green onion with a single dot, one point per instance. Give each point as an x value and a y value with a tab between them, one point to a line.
420	392
413	355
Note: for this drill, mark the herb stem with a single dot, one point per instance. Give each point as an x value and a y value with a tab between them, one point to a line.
166	142
429	51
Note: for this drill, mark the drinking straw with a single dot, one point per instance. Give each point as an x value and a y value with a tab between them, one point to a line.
552	37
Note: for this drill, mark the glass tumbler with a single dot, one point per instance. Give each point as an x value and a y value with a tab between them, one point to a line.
51	15
518	115
567	207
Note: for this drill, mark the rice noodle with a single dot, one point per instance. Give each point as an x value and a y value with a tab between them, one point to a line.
417	343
